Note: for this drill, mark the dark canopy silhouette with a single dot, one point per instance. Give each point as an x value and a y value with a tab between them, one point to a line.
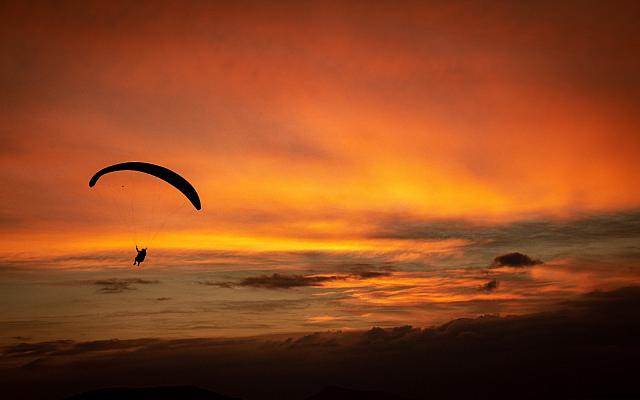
163	173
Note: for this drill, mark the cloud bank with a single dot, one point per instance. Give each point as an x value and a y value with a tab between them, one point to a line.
586	347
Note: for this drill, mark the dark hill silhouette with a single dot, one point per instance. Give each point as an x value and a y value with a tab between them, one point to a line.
338	393
196	393
151	393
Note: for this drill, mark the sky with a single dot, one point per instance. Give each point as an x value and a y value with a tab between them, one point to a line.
360	164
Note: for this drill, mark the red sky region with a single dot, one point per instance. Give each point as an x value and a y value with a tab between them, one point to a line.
310	120
360	164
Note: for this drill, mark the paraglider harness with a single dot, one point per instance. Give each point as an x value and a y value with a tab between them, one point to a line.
141	255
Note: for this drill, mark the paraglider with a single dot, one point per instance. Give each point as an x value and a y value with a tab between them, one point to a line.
162	173
141	255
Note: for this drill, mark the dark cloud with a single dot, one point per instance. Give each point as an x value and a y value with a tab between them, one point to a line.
263	305
280	281
367	270
115	285
284	281
514	260
35	349
226	285
491	285
371	274
585	348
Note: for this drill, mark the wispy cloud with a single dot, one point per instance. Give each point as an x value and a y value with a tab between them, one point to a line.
288	281
115	285
280	281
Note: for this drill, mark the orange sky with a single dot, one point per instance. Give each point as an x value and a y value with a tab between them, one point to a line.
310	122
359	163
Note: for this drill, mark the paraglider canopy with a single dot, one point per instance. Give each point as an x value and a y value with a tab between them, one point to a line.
163	173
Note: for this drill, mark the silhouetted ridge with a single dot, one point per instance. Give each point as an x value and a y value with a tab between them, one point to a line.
152	393
338	393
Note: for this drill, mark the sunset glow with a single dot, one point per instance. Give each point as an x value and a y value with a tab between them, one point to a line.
362	166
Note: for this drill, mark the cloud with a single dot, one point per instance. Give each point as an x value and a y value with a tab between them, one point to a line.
582	227
514	260
226	285
115	285
280	281
71	348
463	358
35	349
371	274
284	281
491	285
366	270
